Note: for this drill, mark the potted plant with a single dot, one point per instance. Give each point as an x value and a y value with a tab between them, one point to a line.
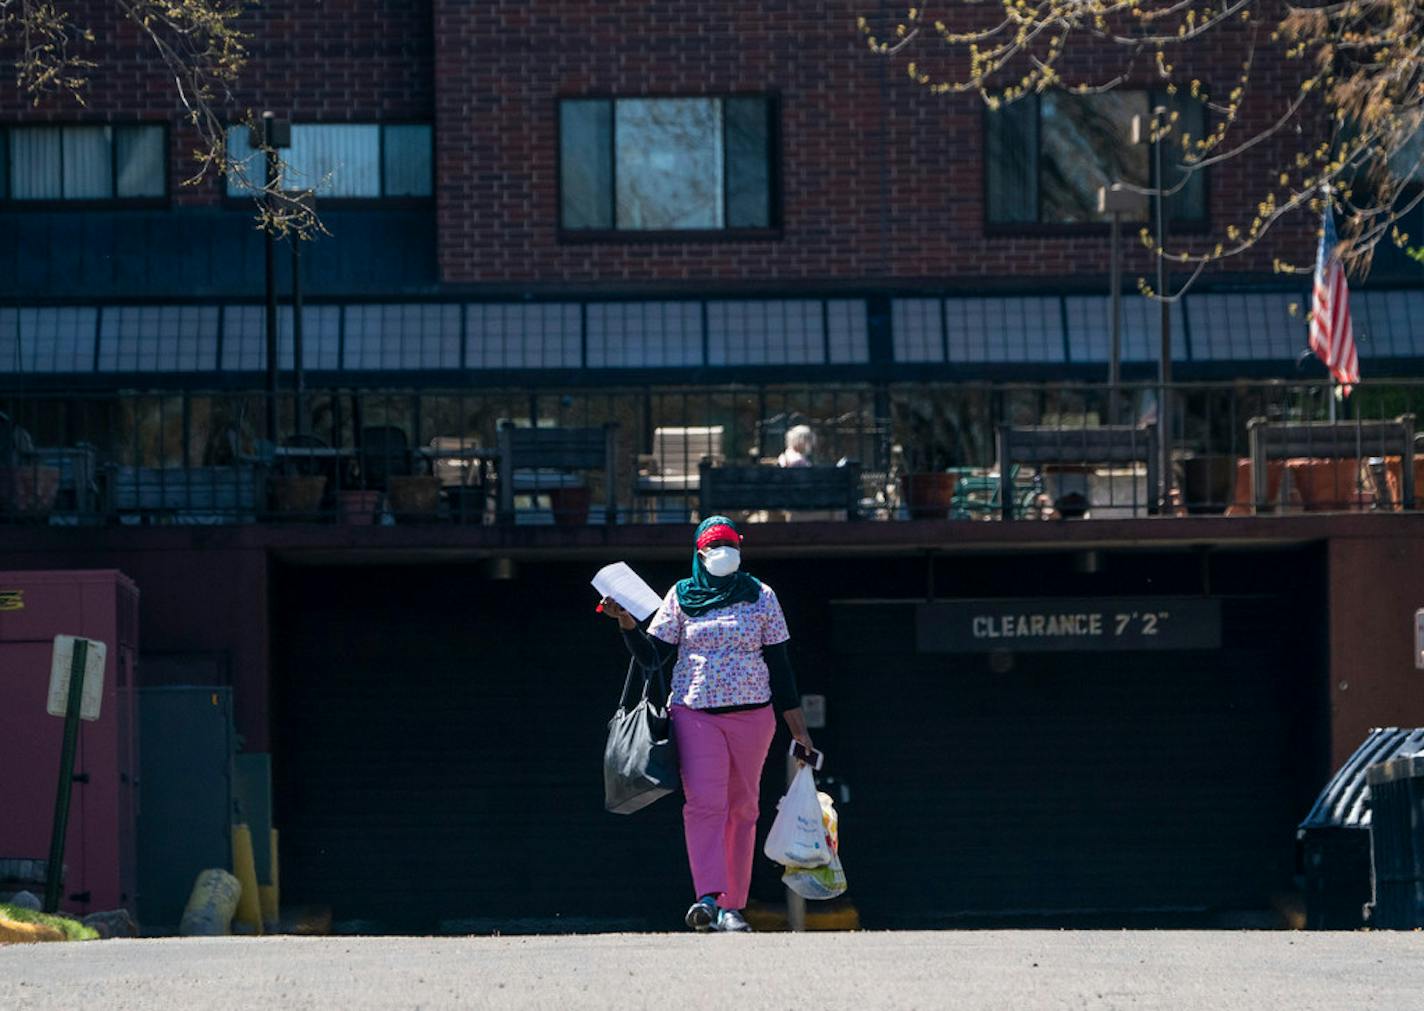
927	487
413	497
296	493
934	436
570	504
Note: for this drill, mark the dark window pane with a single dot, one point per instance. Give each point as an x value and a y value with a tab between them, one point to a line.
4	167
241	153
139	157
407	161
669	163
1087	144
34	163
586	163
748	164
88	171
1188	203
1012	163
335	160
1407	162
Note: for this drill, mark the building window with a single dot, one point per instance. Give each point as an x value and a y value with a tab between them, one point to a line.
353	161
666	164
83	162
1047	155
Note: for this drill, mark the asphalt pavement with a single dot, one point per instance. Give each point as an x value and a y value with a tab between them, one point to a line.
808	972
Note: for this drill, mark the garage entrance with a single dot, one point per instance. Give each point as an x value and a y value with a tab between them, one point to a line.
438	738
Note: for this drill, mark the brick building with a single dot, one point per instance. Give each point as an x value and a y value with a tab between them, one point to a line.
678	217
489	152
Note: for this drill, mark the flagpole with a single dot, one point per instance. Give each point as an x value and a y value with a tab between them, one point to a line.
1333	391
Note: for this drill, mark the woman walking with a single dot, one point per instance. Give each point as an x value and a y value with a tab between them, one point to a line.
729	635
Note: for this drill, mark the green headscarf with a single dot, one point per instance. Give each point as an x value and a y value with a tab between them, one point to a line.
703	592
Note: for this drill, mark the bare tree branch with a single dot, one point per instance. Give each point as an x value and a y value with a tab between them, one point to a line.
1359	68
203	50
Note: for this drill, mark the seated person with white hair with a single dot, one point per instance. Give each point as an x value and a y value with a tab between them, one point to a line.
800	445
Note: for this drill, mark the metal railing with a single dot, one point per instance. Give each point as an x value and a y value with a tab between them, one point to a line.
641	454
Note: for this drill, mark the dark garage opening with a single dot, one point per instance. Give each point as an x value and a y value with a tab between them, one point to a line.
438	736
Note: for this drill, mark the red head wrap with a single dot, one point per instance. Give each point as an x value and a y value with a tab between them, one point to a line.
718	532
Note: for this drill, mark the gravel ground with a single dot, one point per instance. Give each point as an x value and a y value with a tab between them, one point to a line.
960	969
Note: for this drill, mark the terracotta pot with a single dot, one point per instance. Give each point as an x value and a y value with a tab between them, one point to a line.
928	494
414	496
29	488
570	505
358	508
297	493
1207	483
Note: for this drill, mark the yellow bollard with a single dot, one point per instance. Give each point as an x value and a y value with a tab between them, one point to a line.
249	904
269	893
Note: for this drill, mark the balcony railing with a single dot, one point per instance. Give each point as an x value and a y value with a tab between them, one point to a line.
957	452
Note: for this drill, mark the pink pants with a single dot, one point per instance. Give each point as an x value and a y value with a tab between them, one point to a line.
721	756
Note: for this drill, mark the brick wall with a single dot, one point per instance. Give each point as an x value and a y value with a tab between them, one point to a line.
882	182
317	60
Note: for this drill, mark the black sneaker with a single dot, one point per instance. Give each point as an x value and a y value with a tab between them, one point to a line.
730	921
702	914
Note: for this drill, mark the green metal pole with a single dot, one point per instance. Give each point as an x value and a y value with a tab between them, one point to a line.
55	869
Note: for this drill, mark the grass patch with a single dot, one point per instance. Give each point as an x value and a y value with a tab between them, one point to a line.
72	930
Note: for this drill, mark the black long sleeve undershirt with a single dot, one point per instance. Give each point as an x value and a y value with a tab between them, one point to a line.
651	651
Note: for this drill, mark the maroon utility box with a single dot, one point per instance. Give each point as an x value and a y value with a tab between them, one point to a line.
99	851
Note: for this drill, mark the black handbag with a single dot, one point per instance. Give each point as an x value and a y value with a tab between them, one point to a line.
640	758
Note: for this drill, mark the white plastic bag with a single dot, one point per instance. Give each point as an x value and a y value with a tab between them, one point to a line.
816	882
798	835
824	882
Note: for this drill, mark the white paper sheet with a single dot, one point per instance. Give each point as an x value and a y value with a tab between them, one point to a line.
624	585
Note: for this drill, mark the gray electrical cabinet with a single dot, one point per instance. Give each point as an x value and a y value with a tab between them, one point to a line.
185	796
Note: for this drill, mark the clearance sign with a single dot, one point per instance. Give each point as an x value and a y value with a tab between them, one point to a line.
12	600
1086	623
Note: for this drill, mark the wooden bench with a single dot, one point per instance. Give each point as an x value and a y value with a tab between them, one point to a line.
818	487
1040	445
535	460
199	495
1329	440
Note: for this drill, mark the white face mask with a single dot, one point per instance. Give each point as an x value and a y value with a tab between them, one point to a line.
722	561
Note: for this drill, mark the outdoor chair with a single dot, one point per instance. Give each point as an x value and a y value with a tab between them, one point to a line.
535	461
1041	445
463	476
385	453
672	468
979	496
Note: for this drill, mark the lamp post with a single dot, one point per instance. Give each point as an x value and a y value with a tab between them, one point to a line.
1116	201
274	134
1140	134
308	200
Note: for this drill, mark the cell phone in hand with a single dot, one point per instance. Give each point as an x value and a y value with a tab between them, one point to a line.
810	756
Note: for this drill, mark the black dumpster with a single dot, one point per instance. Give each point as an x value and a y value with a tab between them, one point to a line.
1335	837
1397	842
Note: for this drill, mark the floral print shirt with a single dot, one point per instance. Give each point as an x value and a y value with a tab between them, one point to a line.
719	661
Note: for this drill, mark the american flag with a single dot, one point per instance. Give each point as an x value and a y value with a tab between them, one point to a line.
1332	337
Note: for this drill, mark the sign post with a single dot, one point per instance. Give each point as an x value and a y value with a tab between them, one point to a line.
75	691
